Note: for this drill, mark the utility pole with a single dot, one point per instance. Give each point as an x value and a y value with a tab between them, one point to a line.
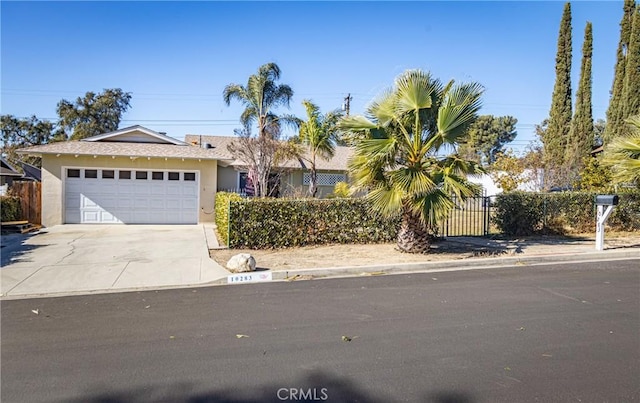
347	103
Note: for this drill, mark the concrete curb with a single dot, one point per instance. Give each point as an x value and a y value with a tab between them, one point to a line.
478	263
452	265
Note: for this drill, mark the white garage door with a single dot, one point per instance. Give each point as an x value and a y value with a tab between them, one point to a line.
113	196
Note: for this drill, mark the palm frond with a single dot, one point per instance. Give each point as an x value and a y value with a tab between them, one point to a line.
623	154
459	109
432	207
356	123
387	201
382	108
411	181
414	91
249	116
235	91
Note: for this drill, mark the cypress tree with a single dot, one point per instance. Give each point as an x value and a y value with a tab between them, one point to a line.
556	136
631	90
615	111
581	136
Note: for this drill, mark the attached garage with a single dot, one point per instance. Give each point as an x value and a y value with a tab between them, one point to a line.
124	196
131	176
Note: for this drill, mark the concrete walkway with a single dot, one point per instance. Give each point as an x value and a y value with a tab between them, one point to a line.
83	259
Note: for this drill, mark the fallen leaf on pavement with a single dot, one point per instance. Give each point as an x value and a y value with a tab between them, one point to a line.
299	277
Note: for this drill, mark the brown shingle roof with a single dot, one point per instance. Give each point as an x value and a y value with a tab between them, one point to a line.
220	143
124	149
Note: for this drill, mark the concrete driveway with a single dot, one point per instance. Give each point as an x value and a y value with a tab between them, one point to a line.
72	259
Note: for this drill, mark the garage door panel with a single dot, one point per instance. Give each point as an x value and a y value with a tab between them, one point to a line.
72	200
91	186
90	217
189	204
156	204
72	216
173	190
108	218
142	188
124	203
190	191
74	186
158	190
87	202
109	203
114	200
158	216
126	188
141	217
140	202
125	217
173	203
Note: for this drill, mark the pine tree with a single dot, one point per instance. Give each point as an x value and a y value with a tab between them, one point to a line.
615	112
556	136
581	136
631	90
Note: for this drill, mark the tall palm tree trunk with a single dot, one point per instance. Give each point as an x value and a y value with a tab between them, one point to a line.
413	236
313	183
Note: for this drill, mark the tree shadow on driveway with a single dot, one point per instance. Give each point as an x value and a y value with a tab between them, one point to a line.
14	248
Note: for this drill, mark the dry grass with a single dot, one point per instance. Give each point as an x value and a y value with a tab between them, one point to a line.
325	256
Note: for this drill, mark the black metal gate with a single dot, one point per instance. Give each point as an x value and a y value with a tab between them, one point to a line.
469	218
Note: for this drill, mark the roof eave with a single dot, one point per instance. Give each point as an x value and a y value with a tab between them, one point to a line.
42	153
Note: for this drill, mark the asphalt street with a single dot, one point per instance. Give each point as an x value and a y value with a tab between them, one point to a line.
554	333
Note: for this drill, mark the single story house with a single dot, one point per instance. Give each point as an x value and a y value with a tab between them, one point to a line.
133	175
7	172
232	173
31	173
7	175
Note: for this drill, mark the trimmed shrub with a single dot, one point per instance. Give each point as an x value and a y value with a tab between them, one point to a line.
10	209
279	223
518	213
222	213
626	215
523	213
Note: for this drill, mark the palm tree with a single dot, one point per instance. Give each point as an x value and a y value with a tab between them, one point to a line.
318	136
400	157
623	155
260	96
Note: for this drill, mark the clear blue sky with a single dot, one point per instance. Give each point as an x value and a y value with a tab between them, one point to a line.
176	57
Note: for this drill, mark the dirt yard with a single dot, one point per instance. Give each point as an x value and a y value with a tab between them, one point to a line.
454	248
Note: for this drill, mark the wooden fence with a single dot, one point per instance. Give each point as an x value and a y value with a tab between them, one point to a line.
30	200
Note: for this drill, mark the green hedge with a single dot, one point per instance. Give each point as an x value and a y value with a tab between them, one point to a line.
10	209
278	223
523	213
222	213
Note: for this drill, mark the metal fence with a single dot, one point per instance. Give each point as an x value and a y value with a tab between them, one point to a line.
469	218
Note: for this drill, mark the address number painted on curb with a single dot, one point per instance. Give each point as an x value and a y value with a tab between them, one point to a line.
249	277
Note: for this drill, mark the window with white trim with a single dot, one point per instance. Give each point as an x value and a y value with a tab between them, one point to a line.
324	179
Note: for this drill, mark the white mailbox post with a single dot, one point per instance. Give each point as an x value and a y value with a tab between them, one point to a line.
605	205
